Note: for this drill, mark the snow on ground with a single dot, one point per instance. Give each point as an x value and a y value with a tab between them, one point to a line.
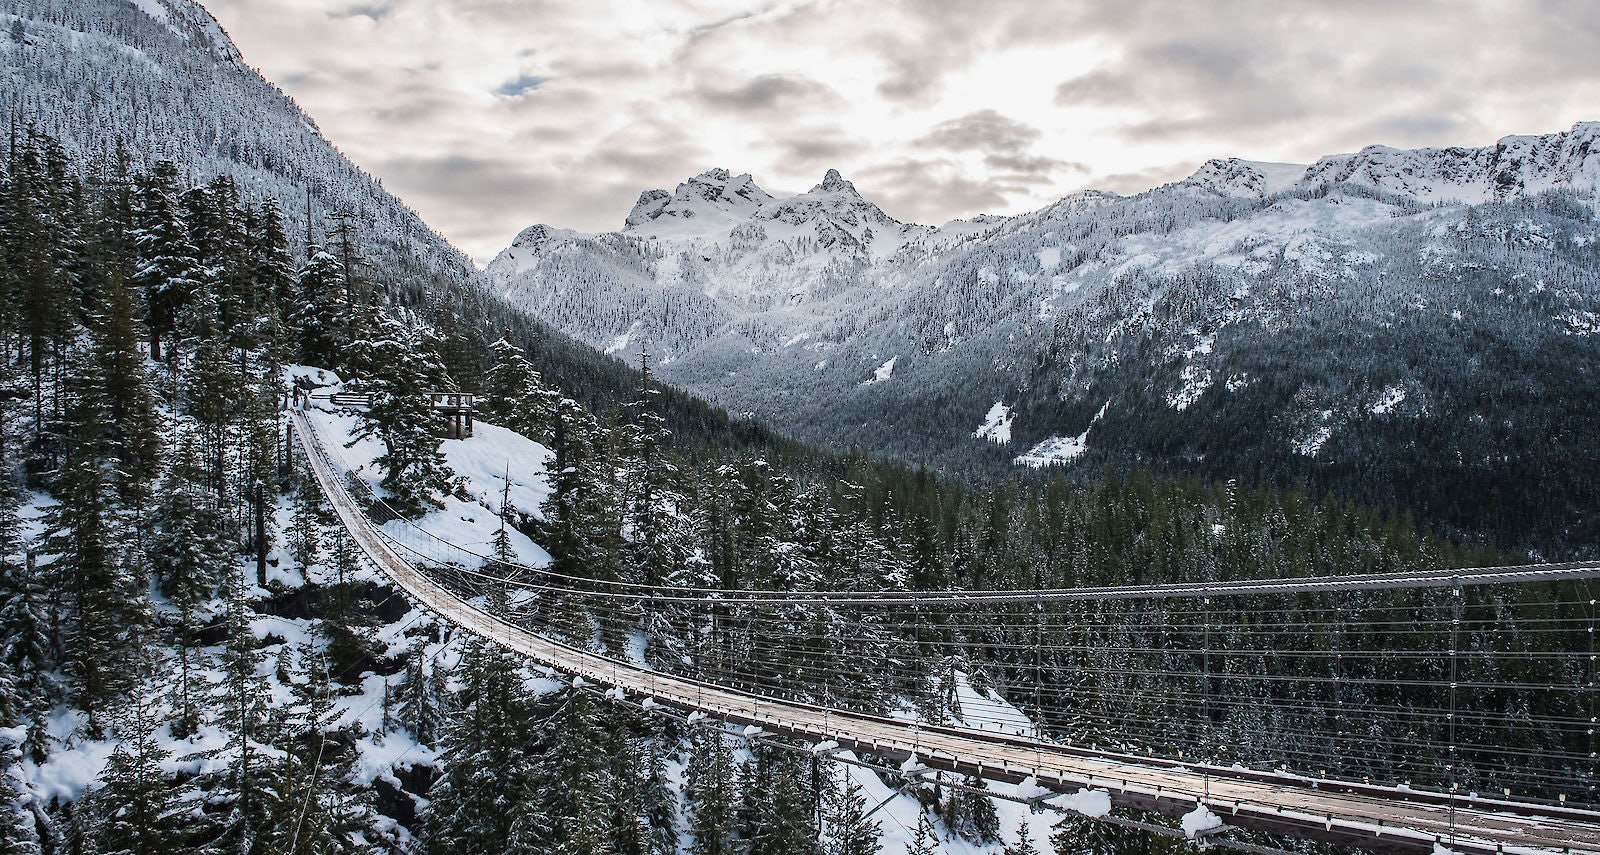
1059	449
882	372
1388	399
996	425
483	461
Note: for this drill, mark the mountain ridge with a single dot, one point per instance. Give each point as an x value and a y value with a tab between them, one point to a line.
787	318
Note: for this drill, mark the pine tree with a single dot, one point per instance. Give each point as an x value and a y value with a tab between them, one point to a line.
712	796
137	809
659	799
656	543
18	835
186	548
514	396
272	272
134	432
490	794
1024	844
419	705
972	814
169	264
103	584
249	783
582	529
924	840
846	828
319	304
25	627
778	807
398	370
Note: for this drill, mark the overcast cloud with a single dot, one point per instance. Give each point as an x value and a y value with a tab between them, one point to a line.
490	115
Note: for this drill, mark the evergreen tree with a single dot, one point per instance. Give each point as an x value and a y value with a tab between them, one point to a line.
168	262
924	840
273	275
712	796
133	427
1024	844
778	807
319	305
514	396
846	828
250	785
420	704
490	793
972	814
186	549
25	645
398	371
137	809
105	589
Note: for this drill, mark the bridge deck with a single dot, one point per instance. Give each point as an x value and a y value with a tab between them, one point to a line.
1371	817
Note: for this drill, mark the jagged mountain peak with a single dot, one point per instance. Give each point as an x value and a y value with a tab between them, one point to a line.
711	200
833	182
1237	177
1515	164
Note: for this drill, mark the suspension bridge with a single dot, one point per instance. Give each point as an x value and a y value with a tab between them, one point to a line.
1419	712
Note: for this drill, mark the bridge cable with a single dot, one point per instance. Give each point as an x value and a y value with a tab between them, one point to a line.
1455	644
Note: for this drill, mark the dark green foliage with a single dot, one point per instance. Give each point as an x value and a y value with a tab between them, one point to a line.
780	808
137	809
397	371
846	828
712	795
970	814
514	396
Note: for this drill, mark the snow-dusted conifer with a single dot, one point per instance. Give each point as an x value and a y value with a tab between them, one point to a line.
169	265
398	370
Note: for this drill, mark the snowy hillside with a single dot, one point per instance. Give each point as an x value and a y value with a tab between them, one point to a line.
790	309
161	79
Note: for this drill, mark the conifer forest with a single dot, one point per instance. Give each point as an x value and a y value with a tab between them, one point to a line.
200	654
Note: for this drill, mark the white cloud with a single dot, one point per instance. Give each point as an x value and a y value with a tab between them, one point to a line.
489	115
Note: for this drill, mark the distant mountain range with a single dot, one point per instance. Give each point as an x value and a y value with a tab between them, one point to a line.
1411	327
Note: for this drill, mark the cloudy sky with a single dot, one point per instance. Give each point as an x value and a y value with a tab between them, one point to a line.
490	115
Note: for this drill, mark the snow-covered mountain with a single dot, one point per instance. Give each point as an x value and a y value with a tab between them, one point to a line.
162	79
1106	327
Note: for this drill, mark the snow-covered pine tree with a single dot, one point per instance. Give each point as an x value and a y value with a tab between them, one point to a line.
272	272
659	797
846	828
582	527
972	814
1024	844
102	587
419	708
778	808
397	368
488	797
924	839
713	796
247	790
186	546
26	628
169	264
137	809
578	792
657	542
516	397
319	304
134	428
